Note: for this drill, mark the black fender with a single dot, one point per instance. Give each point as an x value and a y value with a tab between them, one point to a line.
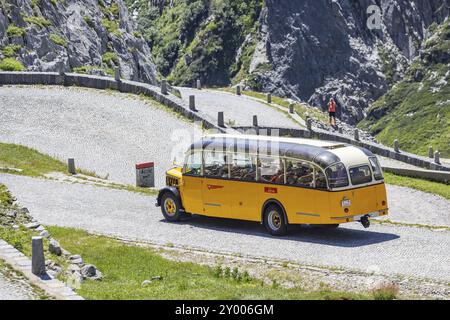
278	203
173	190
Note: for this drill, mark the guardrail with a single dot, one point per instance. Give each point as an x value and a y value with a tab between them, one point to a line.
98	82
378	149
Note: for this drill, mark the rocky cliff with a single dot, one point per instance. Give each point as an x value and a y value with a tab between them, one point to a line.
323	48
416	110
89	36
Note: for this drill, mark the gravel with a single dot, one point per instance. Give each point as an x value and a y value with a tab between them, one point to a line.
407	251
241	109
14	289
106	132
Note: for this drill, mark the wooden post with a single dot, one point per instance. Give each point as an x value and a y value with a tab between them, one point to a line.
269	98
238	90
430	152
255	121
396	146
164	87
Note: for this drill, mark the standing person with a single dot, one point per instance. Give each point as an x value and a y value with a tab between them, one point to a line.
332	112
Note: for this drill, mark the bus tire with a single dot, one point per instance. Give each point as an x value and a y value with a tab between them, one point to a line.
170	207
274	220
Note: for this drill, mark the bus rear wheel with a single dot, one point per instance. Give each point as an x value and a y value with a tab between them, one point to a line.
274	221
170	207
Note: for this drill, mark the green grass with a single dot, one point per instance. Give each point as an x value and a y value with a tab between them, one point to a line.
57	39
87	69
11	50
126	266
32	162
38	21
419	184
15	31
112	27
6	199
111	59
11	64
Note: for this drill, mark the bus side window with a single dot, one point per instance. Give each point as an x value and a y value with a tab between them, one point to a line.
242	167
215	164
299	173
320	179
193	164
271	169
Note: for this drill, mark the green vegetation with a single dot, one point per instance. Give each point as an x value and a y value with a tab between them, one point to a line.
125	267
58	40
11	64
38	21
11	50
6	199
440	189
112	27
199	39
15	31
89	69
32	162
111	59
89	21
416	111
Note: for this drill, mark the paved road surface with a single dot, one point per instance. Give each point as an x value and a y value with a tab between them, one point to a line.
241	109
394	249
105	132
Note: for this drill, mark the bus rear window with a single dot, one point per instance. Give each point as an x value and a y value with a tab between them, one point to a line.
337	176
360	175
377	173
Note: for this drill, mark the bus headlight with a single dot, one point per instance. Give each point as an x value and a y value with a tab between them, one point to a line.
346	202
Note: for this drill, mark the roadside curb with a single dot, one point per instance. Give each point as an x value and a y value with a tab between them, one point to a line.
19	262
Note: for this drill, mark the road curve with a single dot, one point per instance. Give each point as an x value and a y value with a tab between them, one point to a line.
240	109
400	250
106	132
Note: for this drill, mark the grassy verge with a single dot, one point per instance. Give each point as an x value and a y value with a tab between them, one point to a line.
125	267
31	162
437	188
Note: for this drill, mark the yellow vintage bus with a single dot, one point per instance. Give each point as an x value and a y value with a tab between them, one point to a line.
276	181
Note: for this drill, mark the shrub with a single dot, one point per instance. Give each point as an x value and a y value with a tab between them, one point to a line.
39	21
11	50
15	31
58	40
11	64
110	59
385	291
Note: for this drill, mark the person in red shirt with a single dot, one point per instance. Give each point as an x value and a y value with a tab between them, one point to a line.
332	112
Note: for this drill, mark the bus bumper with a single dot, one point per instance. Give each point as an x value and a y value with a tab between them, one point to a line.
360	217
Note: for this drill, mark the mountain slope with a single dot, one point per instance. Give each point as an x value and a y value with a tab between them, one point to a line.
416	111
308	50
92	36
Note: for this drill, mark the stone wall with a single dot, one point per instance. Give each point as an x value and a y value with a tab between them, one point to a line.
378	149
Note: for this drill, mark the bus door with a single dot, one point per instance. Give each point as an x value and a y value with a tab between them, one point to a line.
191	188
216	185
244	190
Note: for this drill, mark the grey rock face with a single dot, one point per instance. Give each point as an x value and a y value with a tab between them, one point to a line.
318	49
76	34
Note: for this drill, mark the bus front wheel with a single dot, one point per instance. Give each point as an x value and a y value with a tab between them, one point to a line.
274	220
170	207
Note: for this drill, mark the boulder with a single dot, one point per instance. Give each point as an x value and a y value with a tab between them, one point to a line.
54	247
